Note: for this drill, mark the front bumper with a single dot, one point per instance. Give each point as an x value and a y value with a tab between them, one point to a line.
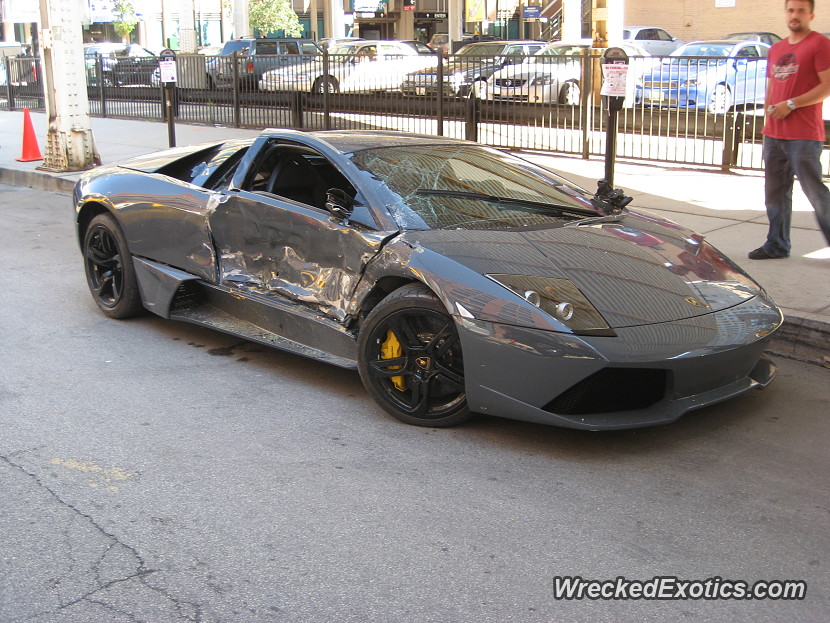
645	376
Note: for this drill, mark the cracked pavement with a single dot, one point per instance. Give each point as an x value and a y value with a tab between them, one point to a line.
155	471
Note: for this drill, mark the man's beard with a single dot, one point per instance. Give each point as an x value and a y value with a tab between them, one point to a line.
795	26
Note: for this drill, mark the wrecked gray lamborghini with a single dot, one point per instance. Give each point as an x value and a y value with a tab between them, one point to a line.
456	278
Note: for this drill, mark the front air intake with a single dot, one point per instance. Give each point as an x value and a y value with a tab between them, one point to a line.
610	390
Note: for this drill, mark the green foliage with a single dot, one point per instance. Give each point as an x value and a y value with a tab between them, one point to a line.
269	16
127	19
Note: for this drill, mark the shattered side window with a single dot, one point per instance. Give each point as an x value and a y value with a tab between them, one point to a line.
468	186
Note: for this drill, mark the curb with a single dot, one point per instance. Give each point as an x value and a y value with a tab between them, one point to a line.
39	180
805	338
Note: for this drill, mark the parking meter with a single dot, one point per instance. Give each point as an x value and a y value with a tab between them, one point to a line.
614	77
168	76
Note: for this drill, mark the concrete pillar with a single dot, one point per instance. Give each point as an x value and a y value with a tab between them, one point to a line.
572	20
70	145
616	20
406	23
312	14
188	42
241	22
455	20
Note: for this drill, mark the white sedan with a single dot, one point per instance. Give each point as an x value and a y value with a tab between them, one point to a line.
554	74
357	66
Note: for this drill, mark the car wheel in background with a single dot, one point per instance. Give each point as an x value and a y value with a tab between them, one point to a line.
478	90
570	94
721	100
410	359
109	269
326	84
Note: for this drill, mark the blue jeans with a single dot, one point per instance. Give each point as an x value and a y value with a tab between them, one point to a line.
783	160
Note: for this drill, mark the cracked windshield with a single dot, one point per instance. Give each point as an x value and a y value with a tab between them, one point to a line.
468	187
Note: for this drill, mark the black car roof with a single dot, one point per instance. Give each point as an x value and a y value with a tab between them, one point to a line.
347	141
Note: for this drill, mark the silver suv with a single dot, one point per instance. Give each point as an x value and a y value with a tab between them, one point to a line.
254	58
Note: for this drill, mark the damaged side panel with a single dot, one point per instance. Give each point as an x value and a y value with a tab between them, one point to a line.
166	221
266	245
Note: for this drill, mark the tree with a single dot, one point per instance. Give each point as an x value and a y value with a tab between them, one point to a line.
127	19
272	15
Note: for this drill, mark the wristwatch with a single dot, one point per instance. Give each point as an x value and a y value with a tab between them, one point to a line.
791	104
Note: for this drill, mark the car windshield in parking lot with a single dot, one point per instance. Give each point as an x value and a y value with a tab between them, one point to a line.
470	187
486	50
704	49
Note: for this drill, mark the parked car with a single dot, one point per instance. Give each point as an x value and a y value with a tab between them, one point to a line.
714	75
653	40
359	66
554	74
420	47
466	72
121	64
330	43
255	57
769	38
456	278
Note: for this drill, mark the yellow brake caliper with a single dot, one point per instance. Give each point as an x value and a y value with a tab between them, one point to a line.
391	349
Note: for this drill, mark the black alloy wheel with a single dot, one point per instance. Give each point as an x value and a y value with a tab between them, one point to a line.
411	361
109	269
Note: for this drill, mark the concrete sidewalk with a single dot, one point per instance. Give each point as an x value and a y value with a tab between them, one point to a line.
728	208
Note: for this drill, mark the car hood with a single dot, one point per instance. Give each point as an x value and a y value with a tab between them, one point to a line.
524	71
636	271
459	66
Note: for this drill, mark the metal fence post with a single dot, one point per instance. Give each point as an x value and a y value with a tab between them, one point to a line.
734	128
472	117
237	112
586	103
440	101
99	77
296	101
9	89
325	89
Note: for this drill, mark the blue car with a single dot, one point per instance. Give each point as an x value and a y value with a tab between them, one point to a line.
715	75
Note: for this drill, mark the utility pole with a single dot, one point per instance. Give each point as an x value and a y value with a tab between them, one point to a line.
70	145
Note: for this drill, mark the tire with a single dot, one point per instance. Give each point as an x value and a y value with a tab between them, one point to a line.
477	90
410	359
326	84
570	94
720	101
109	269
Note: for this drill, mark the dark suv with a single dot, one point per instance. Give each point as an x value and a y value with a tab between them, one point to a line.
255	57
466	71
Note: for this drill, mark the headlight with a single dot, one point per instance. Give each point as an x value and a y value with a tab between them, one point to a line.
559	298
541	80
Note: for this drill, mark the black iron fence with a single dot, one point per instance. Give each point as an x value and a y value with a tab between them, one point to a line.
704	112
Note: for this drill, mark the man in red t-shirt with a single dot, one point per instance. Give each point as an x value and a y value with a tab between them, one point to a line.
798	81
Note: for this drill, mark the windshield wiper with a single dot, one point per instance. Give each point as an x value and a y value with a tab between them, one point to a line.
508	201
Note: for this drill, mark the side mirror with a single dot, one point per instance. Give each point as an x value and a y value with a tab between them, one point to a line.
339	203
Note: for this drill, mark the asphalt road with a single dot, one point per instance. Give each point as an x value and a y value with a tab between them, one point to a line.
154	471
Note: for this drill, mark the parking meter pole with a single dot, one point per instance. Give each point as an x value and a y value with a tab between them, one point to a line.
168	75
610	143
615	71
168	107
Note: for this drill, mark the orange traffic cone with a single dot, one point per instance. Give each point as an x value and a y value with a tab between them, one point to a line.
31	151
